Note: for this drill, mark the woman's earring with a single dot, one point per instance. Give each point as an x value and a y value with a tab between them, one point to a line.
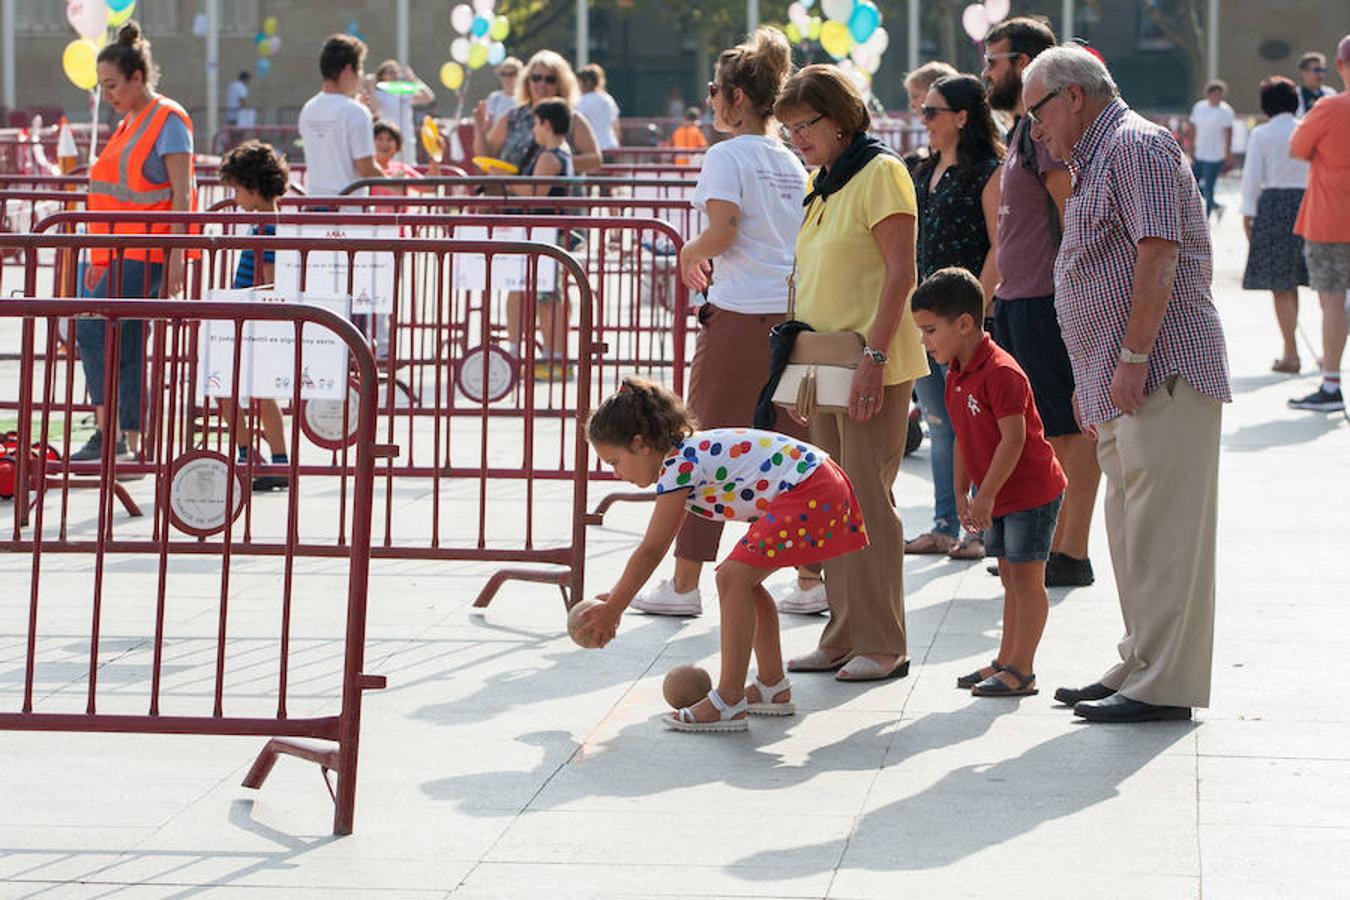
839	135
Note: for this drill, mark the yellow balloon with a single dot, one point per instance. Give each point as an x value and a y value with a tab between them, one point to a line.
117	18
79	60
452	75
794	34
478	55
270	26
501	28
835	39
813	28
264	48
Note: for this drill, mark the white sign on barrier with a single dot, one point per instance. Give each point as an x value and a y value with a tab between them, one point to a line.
267	356
372	276
510	271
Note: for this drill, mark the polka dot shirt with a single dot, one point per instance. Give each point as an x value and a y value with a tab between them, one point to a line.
734	473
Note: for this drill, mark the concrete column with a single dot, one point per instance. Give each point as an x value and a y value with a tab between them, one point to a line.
583	34
212	74
7	52
1212	41
912	34
751	16
1066	20
402	38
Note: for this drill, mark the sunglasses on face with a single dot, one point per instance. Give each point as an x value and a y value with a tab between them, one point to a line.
536	78
795	131
991	58
1318	70
1033	112
929	113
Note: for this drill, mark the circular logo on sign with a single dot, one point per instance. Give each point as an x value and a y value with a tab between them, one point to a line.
501	374
198	484
322	421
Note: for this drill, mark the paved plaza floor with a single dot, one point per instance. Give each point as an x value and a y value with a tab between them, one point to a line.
503	761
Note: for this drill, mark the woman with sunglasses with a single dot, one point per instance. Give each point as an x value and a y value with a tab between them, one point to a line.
958	221
749	189
854	272
511	137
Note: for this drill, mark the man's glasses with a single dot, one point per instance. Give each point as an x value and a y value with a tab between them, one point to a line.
1318	70
991	58
1033	112
929	113
796	131
546	79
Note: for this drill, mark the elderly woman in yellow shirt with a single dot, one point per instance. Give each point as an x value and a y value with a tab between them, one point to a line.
855	271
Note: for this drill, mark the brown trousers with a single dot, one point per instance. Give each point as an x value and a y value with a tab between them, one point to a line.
866	590
731	365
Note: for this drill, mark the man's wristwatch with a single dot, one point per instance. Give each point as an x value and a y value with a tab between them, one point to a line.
1129	356
875	355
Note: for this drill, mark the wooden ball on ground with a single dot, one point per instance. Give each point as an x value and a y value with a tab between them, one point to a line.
686	685
575	626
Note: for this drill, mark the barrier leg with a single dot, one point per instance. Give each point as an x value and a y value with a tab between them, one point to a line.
597	517
561	577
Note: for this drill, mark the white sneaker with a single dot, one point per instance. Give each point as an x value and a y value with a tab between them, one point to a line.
805	603
664	600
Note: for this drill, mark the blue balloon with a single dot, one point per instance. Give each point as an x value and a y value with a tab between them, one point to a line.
865	19
480	26
807	4
259	38
264	66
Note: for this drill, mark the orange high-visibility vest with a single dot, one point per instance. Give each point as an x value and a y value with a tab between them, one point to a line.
117	180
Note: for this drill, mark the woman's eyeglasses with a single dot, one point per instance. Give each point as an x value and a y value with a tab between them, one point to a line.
796	131
929	113
536	78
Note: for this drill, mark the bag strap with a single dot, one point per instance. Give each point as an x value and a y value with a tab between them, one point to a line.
792	291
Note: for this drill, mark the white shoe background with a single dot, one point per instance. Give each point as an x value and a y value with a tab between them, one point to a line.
804	602
664	600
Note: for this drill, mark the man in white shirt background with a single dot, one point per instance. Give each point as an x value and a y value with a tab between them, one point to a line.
236	102
1211	127
1312	75
337	131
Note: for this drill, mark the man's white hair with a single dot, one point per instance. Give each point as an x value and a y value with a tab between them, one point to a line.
1059	67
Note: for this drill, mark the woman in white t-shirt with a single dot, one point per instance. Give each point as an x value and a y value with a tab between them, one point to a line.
598	106
397	108
750	190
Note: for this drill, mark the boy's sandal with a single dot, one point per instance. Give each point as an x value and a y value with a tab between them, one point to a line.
683	718
966	682
969	548
766	706
816	661
993	686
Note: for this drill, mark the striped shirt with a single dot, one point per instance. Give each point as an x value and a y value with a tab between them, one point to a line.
243	273
1130	182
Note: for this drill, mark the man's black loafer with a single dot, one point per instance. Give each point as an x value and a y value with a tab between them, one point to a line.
1119	708
1074	696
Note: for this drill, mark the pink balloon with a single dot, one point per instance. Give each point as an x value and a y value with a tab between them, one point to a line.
88	17
974	22
996	10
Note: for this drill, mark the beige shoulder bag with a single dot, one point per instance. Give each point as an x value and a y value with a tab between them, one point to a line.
819	373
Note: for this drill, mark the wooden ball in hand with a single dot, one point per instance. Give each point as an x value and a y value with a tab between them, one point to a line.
576	629
686	685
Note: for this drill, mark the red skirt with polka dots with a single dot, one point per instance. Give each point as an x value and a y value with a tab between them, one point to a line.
817	520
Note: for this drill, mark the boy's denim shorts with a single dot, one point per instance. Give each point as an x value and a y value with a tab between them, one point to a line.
1023	536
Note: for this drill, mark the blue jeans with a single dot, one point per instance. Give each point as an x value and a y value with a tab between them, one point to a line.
1207	176
139	279
941	440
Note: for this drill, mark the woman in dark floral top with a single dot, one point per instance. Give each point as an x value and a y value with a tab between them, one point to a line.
958	201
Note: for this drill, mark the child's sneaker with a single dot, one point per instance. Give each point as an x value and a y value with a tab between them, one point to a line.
664	600
1320	400
807	602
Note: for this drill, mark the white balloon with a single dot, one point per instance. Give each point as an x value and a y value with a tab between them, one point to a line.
837	10
484	7
459	50
798	15
974	22
996	10
879	41
461	18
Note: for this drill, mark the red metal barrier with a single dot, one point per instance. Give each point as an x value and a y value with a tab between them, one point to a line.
140	587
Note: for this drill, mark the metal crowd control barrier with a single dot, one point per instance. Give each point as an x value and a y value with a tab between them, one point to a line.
463	380
130	596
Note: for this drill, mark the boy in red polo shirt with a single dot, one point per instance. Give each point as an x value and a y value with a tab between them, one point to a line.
1002	451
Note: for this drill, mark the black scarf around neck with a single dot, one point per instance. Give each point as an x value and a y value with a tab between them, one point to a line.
856	155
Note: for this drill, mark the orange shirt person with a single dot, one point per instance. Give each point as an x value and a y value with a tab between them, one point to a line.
146	165
688	136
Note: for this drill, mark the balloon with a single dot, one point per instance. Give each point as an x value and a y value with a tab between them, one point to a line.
808	3
274	44
117	16
89	18
496	53
501	29
974	22
865	19
478	55
866	60
798	15
879	40
794	34
813	28
452	75
835	39
484	7
270	26
264	48
459	50
79	62
996	10
837	10
264	66
480	26
461	18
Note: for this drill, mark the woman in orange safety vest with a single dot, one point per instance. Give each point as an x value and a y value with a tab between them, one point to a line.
146	165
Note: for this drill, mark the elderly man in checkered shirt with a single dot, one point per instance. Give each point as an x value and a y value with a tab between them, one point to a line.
1132	292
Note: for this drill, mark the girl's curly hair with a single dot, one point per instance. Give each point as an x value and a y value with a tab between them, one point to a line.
642	409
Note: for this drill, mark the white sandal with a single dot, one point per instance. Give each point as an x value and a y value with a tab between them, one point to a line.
683	719
766	706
